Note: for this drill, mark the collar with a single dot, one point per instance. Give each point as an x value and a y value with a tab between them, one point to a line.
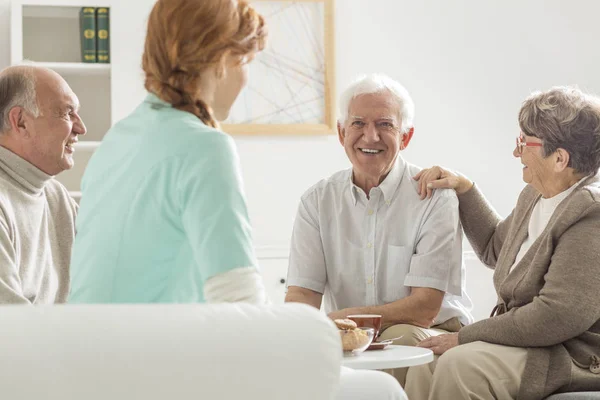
155	101
28	176
353	189
389	185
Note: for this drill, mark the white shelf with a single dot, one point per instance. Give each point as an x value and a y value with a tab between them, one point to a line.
87	145
36	4
75	195
50	12
72	68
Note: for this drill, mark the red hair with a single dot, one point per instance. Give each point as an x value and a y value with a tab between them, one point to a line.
187	37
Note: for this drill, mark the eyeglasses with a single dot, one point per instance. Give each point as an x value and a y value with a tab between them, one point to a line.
522	143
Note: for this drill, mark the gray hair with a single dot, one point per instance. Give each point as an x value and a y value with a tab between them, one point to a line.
565	117
17	89
378	83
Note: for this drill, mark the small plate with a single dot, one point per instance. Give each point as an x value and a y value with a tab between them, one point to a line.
379	345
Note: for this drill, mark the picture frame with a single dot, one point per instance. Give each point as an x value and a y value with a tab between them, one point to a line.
291	85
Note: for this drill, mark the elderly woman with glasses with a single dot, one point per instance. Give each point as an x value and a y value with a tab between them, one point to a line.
544	334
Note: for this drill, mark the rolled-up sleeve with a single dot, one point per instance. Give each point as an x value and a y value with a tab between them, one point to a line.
437	260
307	260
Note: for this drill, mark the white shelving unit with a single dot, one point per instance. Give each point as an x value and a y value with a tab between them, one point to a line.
74	68
46	33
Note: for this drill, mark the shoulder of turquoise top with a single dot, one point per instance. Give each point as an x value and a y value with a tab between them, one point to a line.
191	141
194	129
214	144
209	155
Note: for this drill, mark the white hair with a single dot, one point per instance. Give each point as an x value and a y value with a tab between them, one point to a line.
379	83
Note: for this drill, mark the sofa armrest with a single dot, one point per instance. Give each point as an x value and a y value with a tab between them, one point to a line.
153	352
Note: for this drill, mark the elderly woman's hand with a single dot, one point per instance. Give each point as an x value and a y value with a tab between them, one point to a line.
440	344
440	178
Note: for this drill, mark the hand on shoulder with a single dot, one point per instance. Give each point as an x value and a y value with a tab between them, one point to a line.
437	177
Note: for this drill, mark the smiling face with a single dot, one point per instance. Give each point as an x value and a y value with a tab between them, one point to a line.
537	169
371	136
52	135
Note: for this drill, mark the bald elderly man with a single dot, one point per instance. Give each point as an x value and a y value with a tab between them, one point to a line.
39	125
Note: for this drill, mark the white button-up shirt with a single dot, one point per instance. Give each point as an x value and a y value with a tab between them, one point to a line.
361	251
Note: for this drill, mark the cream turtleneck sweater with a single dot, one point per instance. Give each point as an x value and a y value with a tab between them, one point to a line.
37	228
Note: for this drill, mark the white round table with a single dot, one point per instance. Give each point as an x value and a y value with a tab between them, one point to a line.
390	357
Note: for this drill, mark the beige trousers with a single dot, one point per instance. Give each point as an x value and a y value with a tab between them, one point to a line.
410	336
477	370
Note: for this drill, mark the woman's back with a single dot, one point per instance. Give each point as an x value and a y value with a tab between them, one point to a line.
160	198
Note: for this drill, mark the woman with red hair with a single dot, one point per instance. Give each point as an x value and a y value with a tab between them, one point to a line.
163	214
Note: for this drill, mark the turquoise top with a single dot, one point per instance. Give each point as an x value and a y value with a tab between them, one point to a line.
162	211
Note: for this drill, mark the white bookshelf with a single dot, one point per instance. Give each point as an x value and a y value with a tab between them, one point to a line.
37	9
46	33
77	68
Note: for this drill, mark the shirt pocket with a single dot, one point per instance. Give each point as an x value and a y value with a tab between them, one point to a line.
393	273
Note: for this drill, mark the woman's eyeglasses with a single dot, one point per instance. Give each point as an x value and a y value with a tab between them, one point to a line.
521	143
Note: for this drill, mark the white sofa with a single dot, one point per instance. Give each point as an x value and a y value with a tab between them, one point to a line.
158	352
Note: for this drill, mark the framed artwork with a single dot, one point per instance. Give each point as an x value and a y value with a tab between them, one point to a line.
291	85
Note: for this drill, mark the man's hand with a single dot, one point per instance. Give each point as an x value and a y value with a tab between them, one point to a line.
340	314
419	309
440	344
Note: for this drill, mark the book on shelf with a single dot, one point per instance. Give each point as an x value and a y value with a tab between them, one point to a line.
87	27
103	34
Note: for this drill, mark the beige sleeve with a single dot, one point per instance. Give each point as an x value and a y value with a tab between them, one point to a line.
567	305
482	225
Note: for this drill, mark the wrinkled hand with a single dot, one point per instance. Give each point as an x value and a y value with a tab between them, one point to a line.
440	344
440	178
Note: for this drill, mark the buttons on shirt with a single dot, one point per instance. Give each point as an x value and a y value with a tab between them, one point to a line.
388	202
370	280
369	245
370	212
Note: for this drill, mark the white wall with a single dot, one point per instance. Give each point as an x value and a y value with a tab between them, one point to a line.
468	65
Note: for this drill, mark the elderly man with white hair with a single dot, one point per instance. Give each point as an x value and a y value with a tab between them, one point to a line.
364	240
39	124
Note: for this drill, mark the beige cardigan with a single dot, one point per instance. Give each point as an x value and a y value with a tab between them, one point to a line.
550	302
